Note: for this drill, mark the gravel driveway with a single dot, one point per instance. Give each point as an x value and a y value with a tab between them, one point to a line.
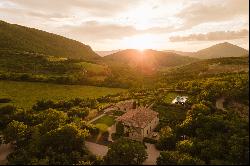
5	150
102	150
96	149
153	154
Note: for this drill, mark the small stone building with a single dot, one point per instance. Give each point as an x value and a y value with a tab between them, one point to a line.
125	105
139	123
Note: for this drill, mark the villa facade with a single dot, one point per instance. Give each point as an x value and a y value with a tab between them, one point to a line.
139	123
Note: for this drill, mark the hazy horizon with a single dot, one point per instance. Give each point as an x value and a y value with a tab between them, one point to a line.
190	51
160	25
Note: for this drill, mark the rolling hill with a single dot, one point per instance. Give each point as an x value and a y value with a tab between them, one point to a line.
207	68
220	50
20	38
148	58
180	52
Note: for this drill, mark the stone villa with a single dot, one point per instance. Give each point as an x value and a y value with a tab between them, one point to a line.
139	123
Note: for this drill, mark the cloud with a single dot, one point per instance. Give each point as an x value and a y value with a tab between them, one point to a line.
98	8
93	30
23	12
212	11
107	22
158	29
212	36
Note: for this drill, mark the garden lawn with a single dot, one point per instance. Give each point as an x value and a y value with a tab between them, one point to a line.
106	119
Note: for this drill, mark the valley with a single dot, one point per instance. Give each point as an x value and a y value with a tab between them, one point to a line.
60	101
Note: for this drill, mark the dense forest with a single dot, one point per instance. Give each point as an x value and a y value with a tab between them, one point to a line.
208	135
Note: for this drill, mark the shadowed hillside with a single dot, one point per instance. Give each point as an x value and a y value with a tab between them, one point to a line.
20	38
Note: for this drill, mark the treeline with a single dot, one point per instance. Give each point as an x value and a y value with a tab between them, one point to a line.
55	132
24	62
21	66
204	69
45	136
233	86
206	136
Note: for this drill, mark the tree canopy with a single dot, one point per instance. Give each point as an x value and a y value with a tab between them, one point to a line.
125	151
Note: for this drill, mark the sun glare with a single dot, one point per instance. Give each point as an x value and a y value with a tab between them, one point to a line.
139	42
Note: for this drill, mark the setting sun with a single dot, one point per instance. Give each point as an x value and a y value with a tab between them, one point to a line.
140	42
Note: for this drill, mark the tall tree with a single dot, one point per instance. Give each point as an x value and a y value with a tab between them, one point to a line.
125	151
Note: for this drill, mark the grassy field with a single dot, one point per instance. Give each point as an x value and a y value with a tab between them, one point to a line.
94	68
108	120
169	97
25	94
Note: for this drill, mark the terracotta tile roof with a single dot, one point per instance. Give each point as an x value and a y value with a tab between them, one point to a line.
125	104
139	117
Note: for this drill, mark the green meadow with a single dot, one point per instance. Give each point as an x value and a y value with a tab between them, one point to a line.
25	94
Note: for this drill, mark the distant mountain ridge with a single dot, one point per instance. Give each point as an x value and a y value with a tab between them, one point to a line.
104	53
219	50
184	53
21	38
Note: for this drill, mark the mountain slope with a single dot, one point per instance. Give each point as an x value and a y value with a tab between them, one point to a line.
180	52
212	66
148	58
20	38
206	68
220	50
104	53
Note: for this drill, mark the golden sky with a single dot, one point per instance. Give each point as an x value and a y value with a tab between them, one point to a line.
184	25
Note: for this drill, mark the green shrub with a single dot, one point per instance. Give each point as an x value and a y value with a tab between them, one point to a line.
7	109
115	136
5	100
149	140
119	129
